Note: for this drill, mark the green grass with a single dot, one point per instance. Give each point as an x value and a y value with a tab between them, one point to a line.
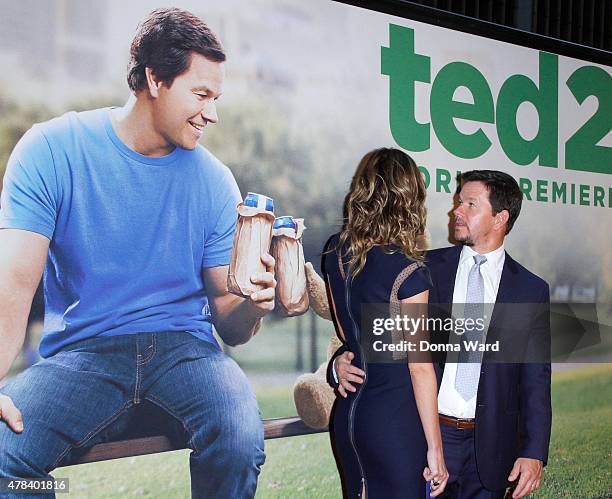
298	467
580	460
303	467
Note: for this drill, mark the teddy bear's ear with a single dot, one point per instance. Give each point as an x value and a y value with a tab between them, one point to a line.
316	292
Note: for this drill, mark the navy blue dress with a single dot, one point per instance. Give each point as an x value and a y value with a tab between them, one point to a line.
376	432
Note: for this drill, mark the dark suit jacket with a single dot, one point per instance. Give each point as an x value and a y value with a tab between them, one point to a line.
513	406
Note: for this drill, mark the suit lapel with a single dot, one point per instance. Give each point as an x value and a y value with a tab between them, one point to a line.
448	274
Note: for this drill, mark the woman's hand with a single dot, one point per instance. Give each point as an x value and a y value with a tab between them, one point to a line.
435	472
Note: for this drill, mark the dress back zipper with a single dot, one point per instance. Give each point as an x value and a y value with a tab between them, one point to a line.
348	280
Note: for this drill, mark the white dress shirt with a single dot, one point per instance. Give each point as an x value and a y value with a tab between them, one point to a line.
450	402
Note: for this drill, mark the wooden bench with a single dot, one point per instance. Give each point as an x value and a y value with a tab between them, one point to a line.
273	428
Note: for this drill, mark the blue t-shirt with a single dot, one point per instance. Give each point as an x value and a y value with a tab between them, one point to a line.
130	234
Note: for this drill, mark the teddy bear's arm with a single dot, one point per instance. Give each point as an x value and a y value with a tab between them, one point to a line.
317	294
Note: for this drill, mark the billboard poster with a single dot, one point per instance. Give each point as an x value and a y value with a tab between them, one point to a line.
310	87
348	80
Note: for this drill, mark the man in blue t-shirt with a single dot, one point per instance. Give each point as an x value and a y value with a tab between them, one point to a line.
132	222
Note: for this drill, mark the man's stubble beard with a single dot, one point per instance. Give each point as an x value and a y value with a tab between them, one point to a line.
465	241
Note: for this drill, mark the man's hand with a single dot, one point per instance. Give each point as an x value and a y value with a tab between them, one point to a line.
10	414
531	472
347	373
263	300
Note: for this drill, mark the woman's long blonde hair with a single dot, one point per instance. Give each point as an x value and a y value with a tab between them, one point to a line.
384	206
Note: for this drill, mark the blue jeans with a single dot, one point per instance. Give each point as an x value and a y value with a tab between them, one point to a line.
109	388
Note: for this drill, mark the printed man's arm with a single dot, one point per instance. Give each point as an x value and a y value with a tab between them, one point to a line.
238	319
22	260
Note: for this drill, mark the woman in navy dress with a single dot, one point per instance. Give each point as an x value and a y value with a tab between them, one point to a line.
384	429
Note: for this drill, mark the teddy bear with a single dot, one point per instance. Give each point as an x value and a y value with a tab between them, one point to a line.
312	394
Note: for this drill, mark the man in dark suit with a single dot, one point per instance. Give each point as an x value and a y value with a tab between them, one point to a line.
495	413
497	428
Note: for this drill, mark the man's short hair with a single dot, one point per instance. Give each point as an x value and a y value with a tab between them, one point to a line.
165	42
504	192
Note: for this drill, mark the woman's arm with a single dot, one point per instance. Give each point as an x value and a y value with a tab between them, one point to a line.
425	388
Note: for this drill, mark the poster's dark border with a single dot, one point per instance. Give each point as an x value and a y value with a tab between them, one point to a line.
486	29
